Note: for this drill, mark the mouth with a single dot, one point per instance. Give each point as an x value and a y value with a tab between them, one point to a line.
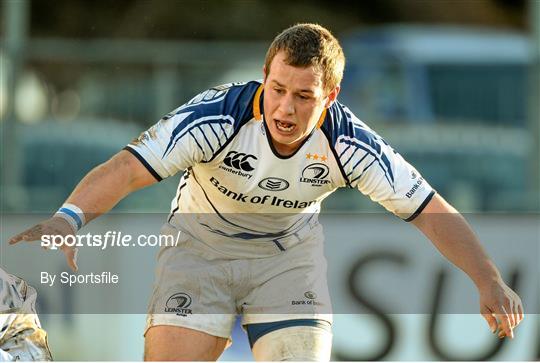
284	126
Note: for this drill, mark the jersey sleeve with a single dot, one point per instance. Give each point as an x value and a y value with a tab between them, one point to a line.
195	132
370	164
11	297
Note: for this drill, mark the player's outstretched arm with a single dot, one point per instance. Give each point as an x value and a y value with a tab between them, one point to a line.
98	192
454	238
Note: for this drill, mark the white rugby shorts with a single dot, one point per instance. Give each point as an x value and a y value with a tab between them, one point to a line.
200	288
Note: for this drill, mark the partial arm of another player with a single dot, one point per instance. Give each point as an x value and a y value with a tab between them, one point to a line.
98	192
454	238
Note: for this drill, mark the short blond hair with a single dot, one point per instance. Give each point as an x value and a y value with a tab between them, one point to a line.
308	45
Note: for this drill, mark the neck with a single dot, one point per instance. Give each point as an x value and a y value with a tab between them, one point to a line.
285	150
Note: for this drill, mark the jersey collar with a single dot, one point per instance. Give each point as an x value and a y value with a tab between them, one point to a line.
257	103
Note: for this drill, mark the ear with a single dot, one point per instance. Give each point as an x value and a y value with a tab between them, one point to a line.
264	74
332	96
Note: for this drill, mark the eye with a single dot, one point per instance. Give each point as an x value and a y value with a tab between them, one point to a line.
279	91
303	97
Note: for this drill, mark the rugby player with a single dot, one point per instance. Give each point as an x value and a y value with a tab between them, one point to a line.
259	157
21	335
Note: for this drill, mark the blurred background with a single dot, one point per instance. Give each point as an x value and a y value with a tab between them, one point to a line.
454	86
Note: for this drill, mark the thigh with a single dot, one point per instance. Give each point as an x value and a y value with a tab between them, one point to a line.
173	343
291	340
289	286
192	292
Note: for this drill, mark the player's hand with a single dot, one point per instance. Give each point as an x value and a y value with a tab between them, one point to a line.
53	226
501	307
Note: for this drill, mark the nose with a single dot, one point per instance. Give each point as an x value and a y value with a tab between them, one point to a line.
286	105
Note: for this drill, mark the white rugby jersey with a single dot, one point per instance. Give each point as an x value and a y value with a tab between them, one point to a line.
238	190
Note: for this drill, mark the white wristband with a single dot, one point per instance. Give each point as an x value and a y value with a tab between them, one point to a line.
72	214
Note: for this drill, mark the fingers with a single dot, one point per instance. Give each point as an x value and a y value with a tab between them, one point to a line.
57	227
31	234
520	312
504	322
513	314
53	226
71	257
501	334
517	310
498	323
492	322
510	313
16	238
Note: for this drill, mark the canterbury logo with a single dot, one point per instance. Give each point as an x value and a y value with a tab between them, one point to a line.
239	161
